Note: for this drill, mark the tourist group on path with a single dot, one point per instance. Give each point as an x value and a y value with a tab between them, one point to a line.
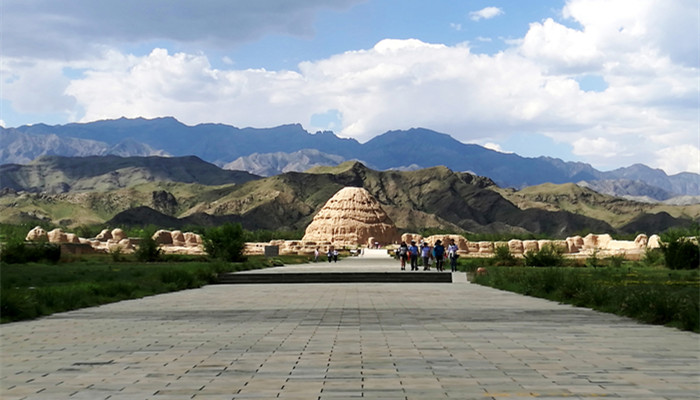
426	254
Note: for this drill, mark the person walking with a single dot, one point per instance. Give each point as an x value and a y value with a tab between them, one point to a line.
452	255
439	254
403	255
316	254
413	253
425	254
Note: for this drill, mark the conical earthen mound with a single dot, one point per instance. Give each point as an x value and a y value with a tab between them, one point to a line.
350	218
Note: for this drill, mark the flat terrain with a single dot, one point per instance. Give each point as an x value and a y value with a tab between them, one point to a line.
344	341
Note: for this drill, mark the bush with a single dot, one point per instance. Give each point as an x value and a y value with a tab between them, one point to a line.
593	261
225	242
16	251
681	253
548	256
652	257
616	261
117	254
502	256
148	250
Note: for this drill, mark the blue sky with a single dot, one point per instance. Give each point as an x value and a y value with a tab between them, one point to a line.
607	82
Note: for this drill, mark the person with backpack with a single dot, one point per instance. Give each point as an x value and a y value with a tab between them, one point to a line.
439	254
403	255
413	253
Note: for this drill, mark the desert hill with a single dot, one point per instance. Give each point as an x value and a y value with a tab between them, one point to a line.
55	174
434	197
628	216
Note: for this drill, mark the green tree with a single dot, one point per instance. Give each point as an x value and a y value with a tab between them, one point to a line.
225	242
680	248
148	249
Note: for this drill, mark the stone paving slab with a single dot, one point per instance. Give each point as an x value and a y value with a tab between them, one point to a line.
344	341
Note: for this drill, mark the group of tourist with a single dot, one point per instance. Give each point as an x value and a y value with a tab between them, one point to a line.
331	255
427	254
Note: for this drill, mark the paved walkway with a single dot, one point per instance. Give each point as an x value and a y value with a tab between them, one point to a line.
345	341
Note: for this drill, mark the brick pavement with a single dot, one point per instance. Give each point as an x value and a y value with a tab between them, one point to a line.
345	341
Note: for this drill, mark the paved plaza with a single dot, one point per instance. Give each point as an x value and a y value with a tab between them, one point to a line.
345	341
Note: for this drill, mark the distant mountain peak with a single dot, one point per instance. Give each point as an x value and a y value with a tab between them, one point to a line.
276	148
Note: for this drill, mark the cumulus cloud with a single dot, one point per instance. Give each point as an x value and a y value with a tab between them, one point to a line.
485	13
401	84
77	28
647	112
680	158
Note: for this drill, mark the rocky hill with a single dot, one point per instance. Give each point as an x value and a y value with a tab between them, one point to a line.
54	174
270	164
428	198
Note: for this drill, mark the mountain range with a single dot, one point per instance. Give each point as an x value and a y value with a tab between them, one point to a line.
174	192
272	151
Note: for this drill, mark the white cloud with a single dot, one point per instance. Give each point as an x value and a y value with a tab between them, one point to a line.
406	83
598	147
35	87
496	147
647	113
679	158
485	13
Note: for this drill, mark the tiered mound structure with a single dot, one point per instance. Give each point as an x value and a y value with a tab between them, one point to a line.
350	218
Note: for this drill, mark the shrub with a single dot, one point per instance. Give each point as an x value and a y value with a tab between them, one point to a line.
593	261
502	256
616	261
148	249
225	242
16	251
652	257
117	254
681	253
548	256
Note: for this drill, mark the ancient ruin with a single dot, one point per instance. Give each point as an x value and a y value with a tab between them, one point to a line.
573	247
175	242
350	218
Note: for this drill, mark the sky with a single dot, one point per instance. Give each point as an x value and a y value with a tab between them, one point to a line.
607	82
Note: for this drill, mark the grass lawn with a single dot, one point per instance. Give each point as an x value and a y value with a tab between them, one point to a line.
32	290
653	295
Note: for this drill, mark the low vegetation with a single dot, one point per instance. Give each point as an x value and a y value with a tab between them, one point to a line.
663	288
649	294
32	290
36	280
